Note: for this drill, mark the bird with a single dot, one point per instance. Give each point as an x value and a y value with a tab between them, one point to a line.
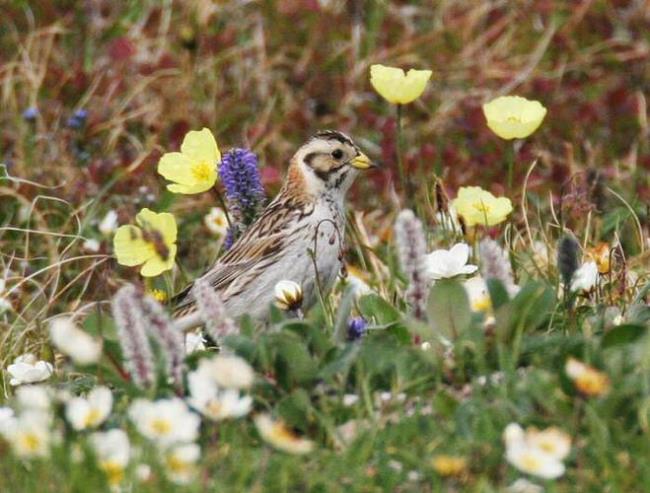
298	237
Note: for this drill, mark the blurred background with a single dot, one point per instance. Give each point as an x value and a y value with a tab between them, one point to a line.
93	92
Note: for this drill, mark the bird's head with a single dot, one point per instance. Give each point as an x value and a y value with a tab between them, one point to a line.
327	163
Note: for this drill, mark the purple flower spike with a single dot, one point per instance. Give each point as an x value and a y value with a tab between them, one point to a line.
357	328
244	192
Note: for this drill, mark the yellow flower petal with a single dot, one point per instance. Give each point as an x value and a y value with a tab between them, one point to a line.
513	117
199	145
130	249
176	167
162	222
396	86
157	265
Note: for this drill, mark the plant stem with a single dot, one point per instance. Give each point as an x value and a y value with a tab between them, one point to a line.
510	160
400	163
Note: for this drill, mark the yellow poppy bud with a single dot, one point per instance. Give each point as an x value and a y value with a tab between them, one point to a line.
396	86
513	117
478	206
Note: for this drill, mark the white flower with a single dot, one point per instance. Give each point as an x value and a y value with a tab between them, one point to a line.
194	341
279	436
34	397
26	369
228	371
350	400
586	277
355	281
91	245
108	225
214	402
288	295
539	453
522	485
180	462
166	421
216	221
7	419
29	434
444	264
90	411
478	294
74	342
113	452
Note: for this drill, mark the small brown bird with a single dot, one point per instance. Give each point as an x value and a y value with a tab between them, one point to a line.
298	237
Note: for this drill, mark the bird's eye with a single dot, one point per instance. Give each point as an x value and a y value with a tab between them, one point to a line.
337	154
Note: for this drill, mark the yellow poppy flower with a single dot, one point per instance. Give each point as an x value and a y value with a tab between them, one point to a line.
194	169
151	243
513	117
478	206
601	255
396	86
587	379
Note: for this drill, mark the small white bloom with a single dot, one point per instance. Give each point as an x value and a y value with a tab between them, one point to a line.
27	369
194	341
7	419
478	294
74	342
5	304
180	462
91	245
279	436
143	472
539	453
90	411
288	295
29	434
228	371
586	277
534	461
113	452
214	402
444	264
522	485
216	221
350	400
109	224
34	397
166	421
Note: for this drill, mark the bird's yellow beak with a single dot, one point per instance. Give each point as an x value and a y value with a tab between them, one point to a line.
362	162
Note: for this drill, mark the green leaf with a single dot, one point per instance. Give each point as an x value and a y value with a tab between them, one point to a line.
341	362
448	309
529	310
623	334
498	293
293	363
373	306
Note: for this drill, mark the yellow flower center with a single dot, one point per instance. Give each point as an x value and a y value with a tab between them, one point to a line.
30	442
592	383
482	304
114	472
482	207
282	434
214	408
531	462
161	426
177	465
446	465
158	295
92	418
513	119
202	171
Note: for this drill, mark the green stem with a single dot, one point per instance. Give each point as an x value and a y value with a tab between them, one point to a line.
510	160
400	163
